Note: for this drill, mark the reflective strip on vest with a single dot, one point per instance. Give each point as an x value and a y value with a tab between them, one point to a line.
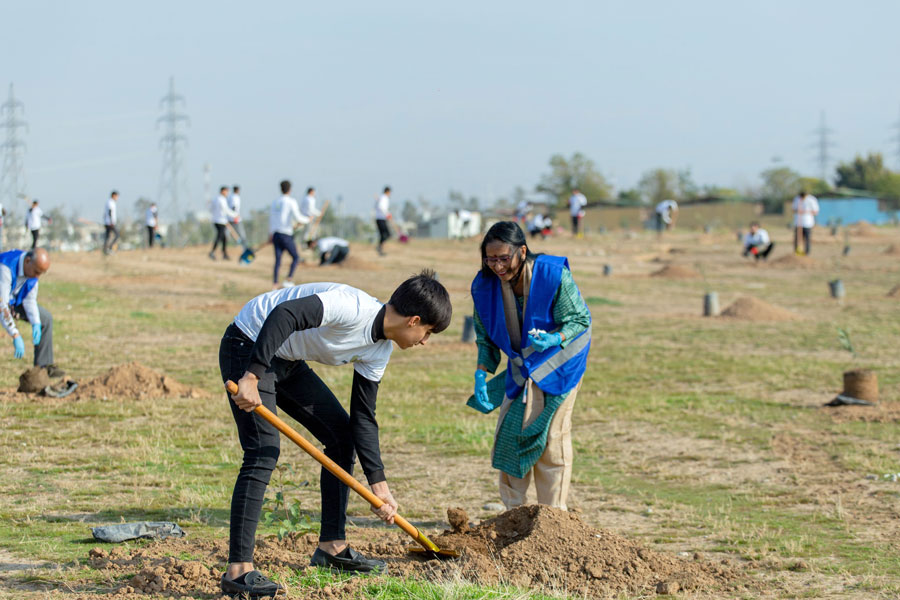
570	351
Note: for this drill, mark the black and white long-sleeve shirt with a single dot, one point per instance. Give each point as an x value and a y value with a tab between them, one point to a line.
333	324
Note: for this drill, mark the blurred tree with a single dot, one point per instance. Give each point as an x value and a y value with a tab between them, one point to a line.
862	173
410	212
657	185
780	184
140	209
814	185
630	197
568	174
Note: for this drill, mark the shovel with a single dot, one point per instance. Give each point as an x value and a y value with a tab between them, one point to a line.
428	549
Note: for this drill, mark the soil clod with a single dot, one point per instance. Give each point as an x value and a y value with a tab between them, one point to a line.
134	380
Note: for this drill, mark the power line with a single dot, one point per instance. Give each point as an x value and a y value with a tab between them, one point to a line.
173	184
12	180
822	144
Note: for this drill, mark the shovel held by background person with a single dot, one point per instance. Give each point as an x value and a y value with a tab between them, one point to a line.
429	548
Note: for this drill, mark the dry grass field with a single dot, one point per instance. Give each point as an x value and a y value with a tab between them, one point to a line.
694	435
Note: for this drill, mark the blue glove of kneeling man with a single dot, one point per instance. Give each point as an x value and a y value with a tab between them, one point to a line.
543	341
19	346
36	334
481	391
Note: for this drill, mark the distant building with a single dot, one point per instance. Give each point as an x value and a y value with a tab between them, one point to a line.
847	211
450	226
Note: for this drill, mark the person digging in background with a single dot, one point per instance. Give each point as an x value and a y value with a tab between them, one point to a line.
19	273
757	242
266	351
284	218
332	250
528	307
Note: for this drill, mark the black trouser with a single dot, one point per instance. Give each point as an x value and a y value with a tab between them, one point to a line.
298	391
111	231
806	232
761	251
576	222
282	242
384	233
335	255
220	237
151	235
35	233
43	352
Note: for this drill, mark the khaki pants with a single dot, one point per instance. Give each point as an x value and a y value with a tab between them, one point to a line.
553	470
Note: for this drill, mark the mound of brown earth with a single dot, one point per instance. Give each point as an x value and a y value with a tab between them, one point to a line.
134	380
895	292
537	547
864	229
892	250
883	412
33	380
676	272
795	261
748	308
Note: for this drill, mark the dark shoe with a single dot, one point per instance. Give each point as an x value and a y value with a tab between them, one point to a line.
225	257
252	585
53	371
212	256
348	560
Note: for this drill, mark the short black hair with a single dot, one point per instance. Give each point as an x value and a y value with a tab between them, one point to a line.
285	186
424	296
224	188
235	188
507	232
310	190
387	189
113	193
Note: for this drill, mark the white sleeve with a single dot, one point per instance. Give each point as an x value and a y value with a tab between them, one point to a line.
339	308
295	212
29	305
371	370
9	322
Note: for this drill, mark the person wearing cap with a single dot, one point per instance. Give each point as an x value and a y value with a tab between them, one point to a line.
757	242
19	273
332	250
109	222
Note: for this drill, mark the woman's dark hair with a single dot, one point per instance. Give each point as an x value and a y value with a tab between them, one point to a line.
507	232
423	295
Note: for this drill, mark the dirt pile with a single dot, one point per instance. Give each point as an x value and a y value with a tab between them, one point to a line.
883	412
892	250
864	229
530	546
33	380
748	308
134	380
895	292
676	272
795	261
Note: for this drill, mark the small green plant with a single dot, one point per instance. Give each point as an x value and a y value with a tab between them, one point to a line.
286	513
845	341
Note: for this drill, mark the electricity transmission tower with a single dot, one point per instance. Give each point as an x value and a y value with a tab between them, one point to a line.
822	144
12	180
173	185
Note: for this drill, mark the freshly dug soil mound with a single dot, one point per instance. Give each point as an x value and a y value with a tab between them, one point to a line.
795	261
753	309
134	380
676	272
883	412
892	250
530	546
864	229
33	380
895	292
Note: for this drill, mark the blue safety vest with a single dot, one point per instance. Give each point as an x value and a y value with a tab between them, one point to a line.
556	370
10	259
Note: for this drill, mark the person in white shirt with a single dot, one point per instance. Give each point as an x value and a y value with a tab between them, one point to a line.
221	213
666	214
284	217
268	350
33	221
540	226
382	216
757	242
19	273
805	207
109	223
577	202
522	210
151	219
332	250
234	203
2	214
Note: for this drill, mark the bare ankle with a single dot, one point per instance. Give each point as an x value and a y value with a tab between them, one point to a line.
237	569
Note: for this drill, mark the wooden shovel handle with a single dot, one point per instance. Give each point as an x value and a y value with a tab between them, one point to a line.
335	469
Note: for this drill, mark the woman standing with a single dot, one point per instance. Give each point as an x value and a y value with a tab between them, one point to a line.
529	307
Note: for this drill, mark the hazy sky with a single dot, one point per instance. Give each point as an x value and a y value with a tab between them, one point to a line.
426	97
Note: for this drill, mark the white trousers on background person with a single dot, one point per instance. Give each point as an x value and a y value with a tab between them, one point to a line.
552	472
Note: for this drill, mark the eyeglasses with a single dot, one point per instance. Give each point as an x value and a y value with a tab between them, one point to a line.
493	260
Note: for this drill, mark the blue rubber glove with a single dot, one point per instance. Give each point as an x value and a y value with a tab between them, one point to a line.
19	345
544	341
36	334
481	392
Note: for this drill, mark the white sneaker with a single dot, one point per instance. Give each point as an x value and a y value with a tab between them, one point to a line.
287	283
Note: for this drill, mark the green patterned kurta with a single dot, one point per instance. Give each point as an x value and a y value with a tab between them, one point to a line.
517	450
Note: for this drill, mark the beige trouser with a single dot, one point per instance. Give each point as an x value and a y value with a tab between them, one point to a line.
553	470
